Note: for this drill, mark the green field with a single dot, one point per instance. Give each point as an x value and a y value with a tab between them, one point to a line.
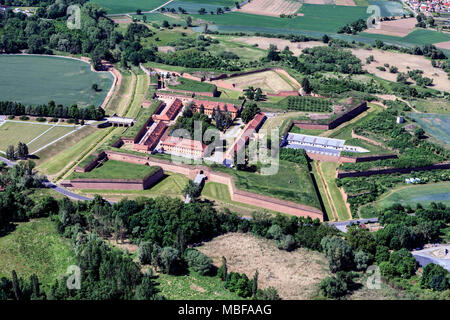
118	6
35	247
291	182
431	105
423	194
193	287
39	79
418	37
113	169
323	18
35	135
437	125
192	85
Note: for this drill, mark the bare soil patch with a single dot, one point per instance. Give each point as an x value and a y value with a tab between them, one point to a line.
295	275
443	45
264	43
397	28
166	49
402	61
271	7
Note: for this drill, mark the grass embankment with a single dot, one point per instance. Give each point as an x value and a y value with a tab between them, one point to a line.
35	247
172	185
113	169
291	182
12	133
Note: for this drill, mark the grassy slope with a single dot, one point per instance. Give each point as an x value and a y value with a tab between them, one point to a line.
49	137
35	247
191	85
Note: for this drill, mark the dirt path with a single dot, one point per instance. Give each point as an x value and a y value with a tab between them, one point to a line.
327	192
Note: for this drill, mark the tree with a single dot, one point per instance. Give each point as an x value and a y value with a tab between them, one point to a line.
334	287
15	286
306	85
249	112
22	150
169	257
273	54
223	270
267	294
419	133
10	153
338	252
189	21
325	38
360	239
362	260
145	252
382	254
435	277
192	190
138	12
146	290
255	284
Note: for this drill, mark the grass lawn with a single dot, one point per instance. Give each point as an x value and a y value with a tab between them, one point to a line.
67	151
291	182
312	132
48	137
39	79
122	95
244	51
192	85
329	174
11	133
172	185
140	92
113	169
193	287
423	194
118	6
35	247
323	195
220	194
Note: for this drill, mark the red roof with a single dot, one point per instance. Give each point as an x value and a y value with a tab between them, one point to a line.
170	112
214	104
184	143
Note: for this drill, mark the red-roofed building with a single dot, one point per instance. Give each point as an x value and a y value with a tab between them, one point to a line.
209	106
151	138
169	113
182	146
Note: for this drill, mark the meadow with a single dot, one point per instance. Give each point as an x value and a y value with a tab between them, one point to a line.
39	79
423	194
118	6
389	8
191	85
35	135
437	125
417	37
35	247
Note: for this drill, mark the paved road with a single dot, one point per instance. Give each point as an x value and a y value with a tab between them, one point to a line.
342	225
51	185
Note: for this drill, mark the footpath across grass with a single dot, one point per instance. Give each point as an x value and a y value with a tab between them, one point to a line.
35	247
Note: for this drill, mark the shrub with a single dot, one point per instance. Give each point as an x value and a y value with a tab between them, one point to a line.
24	118
11	117
198	261
41	119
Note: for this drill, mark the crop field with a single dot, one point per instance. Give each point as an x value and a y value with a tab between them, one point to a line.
268	81
423	194
417	37
194	6
438	125
118	6
322	18
271	7
35	247
39	79
35	135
